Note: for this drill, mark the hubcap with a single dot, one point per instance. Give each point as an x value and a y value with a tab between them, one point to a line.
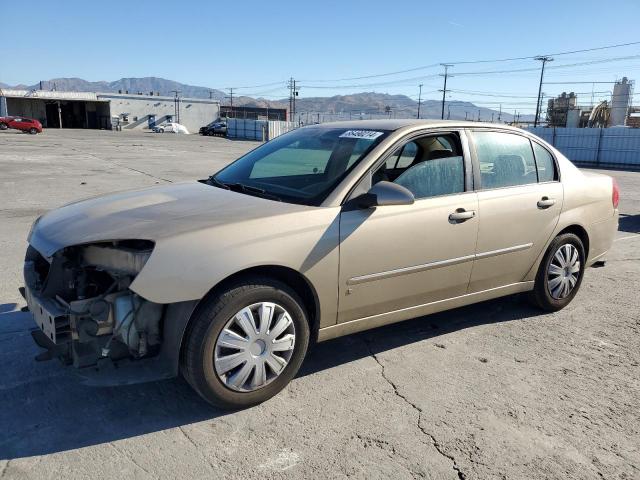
254	347
564	271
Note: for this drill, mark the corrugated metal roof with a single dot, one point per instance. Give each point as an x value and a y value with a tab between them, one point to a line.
93	96
136	96
49	95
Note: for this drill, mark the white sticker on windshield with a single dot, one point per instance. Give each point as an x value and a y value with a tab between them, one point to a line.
366	134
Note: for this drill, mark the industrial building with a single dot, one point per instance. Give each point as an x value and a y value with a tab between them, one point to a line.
564	110
56	109
253	113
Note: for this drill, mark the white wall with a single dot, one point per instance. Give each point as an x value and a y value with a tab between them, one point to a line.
194	113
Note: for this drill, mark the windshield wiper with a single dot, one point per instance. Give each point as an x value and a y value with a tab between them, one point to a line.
212	180
251	190
242	188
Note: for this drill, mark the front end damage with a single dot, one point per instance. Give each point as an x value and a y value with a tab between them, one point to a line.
88	316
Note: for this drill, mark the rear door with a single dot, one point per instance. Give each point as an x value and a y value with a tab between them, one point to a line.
519	201
397	257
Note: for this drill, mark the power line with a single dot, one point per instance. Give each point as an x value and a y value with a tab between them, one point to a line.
377	84
469	62
260	86
557	54
471	73
555	67
576	83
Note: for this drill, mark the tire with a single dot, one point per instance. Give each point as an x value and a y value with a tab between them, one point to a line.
545	292
201	346
33	131
3	126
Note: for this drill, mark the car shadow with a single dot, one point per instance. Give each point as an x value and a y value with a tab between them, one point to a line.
46	410
629	223
343	350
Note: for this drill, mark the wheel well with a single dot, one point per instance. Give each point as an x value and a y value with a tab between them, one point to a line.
293	279
581	233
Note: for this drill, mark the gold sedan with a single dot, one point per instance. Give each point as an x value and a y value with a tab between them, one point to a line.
324	231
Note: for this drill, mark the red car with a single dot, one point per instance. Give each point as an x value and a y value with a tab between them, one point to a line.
21	123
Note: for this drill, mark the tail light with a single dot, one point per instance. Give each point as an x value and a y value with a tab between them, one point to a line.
615	194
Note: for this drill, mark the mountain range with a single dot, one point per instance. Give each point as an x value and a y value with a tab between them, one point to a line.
356	105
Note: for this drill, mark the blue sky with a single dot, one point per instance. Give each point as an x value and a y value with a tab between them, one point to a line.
236	44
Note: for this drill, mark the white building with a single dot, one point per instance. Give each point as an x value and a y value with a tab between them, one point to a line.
104	110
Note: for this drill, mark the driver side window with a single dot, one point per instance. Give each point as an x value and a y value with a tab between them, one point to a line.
428	166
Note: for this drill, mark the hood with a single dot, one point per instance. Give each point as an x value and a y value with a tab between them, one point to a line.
149	214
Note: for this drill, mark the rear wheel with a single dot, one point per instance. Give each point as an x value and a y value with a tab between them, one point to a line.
3	126
245	343
33	131
560	273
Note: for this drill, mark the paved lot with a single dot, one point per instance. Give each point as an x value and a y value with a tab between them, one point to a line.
496	390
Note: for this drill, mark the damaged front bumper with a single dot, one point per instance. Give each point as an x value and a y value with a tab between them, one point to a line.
87	316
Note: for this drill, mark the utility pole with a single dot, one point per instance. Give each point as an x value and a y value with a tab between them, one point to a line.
295	94
176	105
478	114
492	113
500	114
444	89
466	115
419	99
291	113
231	100
448	112
544	61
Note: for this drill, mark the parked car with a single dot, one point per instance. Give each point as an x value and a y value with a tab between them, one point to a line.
171	127
28	125
324	231
215	128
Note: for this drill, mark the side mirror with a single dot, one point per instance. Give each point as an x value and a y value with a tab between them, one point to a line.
385	193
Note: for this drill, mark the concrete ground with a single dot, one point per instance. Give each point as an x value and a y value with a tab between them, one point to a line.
493	391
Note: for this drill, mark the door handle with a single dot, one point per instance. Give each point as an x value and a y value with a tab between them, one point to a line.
461	215
546	202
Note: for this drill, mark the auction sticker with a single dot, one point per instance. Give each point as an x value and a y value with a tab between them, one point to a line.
366	134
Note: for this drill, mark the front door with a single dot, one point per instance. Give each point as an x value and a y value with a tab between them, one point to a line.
520	200
398	257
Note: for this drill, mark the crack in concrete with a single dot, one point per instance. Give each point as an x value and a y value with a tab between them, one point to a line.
132	460
195	445
434	442
142	172
122	166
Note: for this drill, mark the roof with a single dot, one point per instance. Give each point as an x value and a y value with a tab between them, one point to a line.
397	124
92	96
49	95
162	98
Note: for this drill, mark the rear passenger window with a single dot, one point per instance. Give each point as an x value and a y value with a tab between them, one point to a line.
505	159
544	162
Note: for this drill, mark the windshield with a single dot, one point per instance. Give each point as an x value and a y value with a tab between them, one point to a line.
301	166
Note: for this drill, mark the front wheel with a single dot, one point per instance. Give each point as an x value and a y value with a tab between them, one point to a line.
33	131
560	273
245	343
3	126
